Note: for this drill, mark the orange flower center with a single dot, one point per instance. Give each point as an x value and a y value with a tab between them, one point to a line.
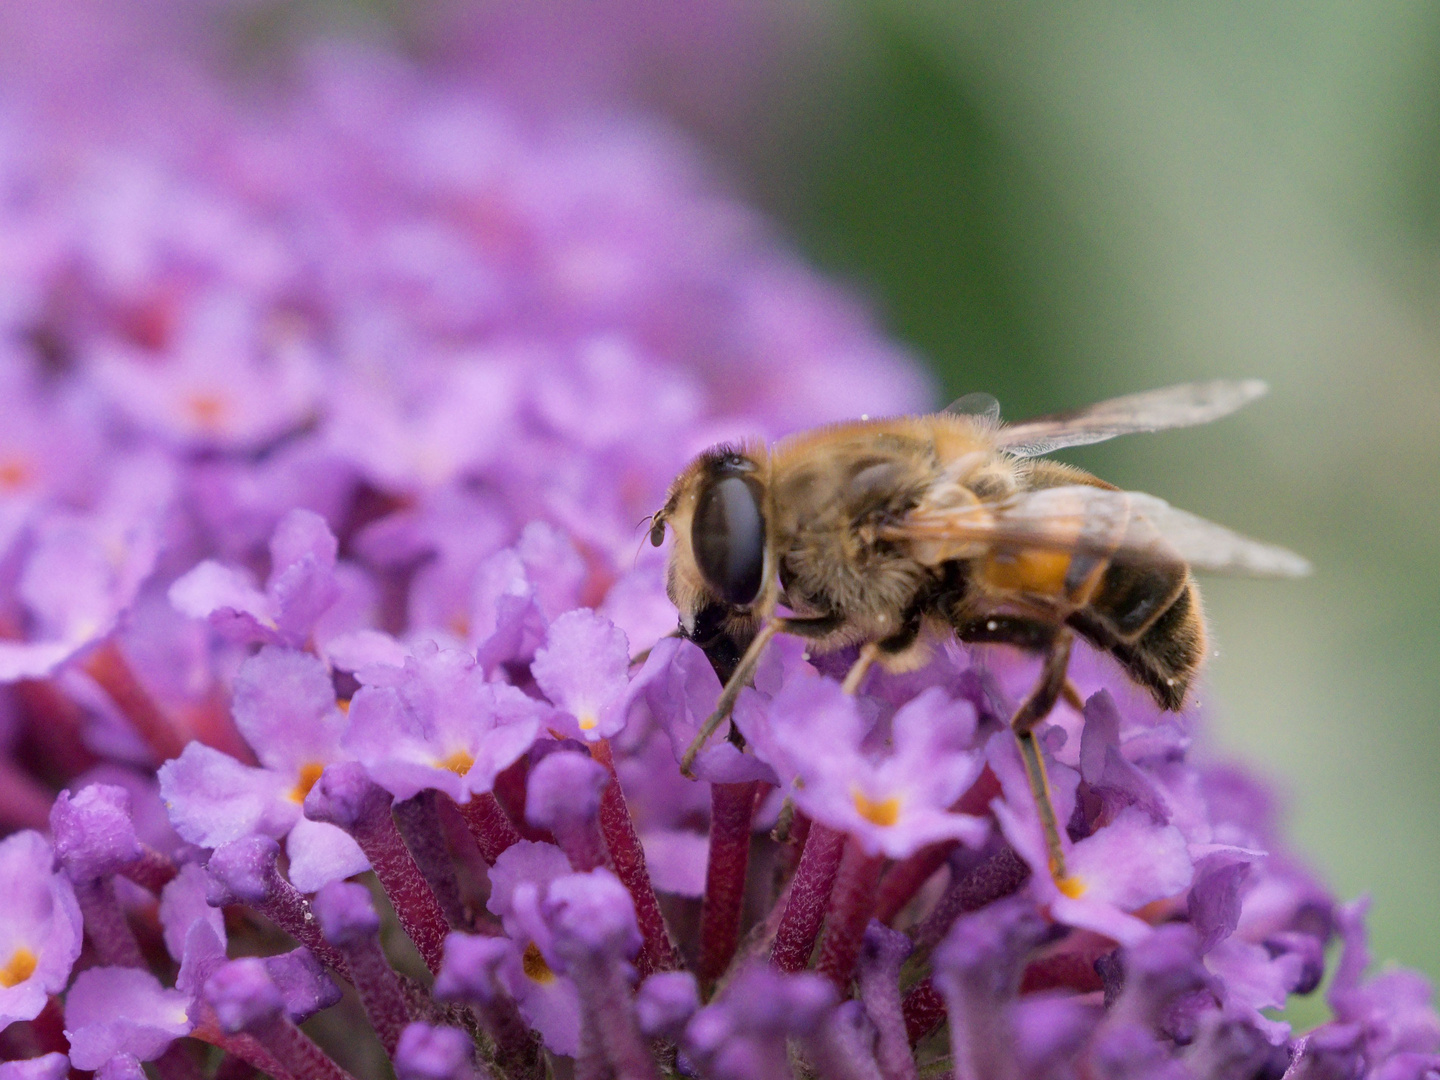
459	762
206	409
534	965
15	473
18	968
309	773
882	812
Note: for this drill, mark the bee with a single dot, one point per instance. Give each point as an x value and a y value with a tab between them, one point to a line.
892	533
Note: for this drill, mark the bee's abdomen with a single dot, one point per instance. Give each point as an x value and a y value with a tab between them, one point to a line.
1148	618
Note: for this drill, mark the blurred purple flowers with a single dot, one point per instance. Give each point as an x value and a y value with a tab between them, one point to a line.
328	425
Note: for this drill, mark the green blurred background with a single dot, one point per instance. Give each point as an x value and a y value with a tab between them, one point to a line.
1058	202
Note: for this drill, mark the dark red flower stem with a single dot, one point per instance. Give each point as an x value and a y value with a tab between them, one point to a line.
243	1046
53	728
923	1009
903	880
809	897
990	879
177	1063
105	924
732	808
626	853
491	827
382	995
108	667
276	1047
611	1044
419	822
346	796
511	791
415	905
289	909
852	902
799	832
24	801
152	870
517	1048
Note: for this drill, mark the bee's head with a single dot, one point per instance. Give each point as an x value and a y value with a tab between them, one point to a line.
717	509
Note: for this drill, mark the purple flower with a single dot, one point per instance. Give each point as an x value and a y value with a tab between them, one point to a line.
583	668
1120	868
681	688
431	430
435	1053
301	588
183	909
437	723
220	385
742	1034
85	570
1393	1011
284	705
117	1010
354	394
894	803
44	1067
665	1003
94	835
587	915
39	927
243	995
519	882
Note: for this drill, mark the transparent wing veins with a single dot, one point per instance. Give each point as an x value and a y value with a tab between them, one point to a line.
1153	410
1123	526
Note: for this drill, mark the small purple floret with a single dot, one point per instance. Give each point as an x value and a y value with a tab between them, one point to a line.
347	914
565	787
40	928
115	1010
243	995
54	1067
665	1002
435	1053
590	914
471	968
301	588
93	831
243	872
302	982
345	796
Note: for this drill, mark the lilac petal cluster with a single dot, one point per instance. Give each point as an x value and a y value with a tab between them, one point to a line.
331	416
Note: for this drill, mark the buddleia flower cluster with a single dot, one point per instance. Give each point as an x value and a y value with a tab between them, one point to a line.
341	712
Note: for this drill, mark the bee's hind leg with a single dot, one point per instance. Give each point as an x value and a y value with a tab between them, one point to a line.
1032	710
1054	644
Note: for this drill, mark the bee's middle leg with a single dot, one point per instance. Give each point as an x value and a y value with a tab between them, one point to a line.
893	646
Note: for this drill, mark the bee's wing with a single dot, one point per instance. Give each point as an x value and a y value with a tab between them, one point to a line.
984	407
1154	410
1123	526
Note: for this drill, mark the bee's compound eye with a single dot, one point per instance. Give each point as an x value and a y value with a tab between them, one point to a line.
728	538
